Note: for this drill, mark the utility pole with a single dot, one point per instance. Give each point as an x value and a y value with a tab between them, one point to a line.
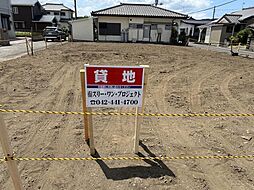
75	6
156	2
214	12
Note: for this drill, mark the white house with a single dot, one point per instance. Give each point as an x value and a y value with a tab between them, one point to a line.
190	27
82	29
6	21
136	22
62	13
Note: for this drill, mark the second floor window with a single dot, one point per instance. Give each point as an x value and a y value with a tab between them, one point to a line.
15	10
62	13
56	13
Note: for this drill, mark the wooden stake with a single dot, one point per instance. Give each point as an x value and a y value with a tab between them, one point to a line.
32	44
8	153
61	40
90	132
27	47
82	77
140	110
46	43
88	125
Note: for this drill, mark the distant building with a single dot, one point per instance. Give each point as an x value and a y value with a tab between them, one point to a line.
62	13
136	23
219	31
30	13
6	24
190	27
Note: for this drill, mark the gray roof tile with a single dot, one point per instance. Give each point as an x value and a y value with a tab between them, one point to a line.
144	10
246	13
24	2
55	7
233	18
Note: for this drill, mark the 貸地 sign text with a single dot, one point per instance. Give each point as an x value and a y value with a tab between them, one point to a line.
114	86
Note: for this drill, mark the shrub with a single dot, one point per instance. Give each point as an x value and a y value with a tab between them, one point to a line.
174	35
243	35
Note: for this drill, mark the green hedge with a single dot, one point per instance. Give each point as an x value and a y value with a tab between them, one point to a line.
27	34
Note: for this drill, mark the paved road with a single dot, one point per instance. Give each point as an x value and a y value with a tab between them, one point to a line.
243	53
18	49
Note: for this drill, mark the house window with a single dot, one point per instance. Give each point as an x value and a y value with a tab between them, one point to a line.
48	13
229	29
182	31
62	13
113	29
154	27
167	27
136	26
139	26
6	22
19	25
15	10
56	13
132	26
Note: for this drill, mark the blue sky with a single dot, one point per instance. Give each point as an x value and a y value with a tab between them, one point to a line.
183	6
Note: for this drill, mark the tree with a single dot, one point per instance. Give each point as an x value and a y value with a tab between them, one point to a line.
174	35
243	35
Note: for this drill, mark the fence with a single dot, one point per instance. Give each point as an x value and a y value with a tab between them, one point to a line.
11	160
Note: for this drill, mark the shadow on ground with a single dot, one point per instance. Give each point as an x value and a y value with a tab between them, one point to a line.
156	169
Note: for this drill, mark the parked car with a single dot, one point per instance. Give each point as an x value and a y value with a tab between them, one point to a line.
53	33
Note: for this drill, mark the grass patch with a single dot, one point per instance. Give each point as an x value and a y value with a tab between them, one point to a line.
27	34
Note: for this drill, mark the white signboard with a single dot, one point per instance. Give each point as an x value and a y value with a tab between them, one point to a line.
114	86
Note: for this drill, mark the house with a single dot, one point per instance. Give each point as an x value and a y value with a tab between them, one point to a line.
62	13
136	23
190	27
6	24
30	13
218	32
82	29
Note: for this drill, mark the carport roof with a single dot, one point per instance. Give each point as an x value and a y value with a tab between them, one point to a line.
139	10
47	19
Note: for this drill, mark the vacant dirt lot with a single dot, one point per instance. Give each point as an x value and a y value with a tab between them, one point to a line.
181	80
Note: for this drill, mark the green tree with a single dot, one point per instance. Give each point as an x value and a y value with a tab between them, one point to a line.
174	35
243	35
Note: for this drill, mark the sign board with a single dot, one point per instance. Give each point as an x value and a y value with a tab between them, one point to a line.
114	86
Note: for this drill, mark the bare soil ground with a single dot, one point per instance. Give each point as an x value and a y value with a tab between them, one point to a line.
181	80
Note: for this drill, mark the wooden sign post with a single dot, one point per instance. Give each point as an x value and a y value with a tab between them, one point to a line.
140	110
8	153
88	126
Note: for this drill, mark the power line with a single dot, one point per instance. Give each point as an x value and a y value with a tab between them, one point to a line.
207	9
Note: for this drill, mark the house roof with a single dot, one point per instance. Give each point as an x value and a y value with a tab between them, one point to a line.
47	19
245	13
197	22
230	19
24	2
140	10
56	7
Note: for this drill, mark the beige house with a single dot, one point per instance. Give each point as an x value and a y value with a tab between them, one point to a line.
136	23
218	32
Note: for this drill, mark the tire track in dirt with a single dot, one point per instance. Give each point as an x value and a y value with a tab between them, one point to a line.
39	133
228	95
195	99
213	179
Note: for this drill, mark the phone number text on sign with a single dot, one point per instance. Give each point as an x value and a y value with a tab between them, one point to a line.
114	86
